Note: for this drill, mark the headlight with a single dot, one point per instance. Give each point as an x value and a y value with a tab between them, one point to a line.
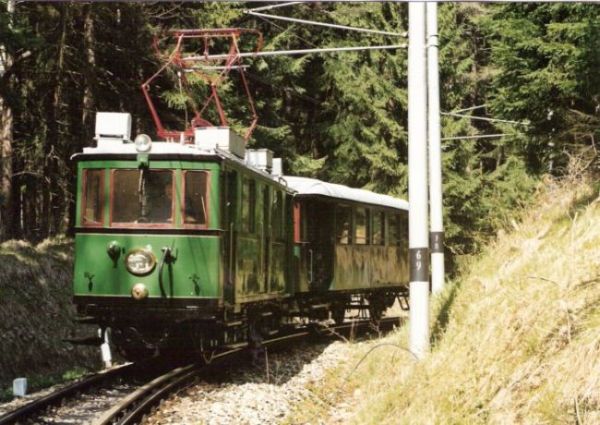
143	143
139	291
140	262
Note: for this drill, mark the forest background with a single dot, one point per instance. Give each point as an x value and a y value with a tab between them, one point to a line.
340	118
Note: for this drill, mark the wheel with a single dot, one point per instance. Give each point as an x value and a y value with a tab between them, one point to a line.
130	345
338	313
376	309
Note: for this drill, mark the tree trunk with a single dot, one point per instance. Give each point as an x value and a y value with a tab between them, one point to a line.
88	104
6	169
50	196
89	72
6	143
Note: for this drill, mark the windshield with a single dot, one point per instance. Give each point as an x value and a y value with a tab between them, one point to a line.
142	196
146	198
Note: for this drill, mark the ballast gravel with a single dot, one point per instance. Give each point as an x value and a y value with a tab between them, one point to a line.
253	395
82	409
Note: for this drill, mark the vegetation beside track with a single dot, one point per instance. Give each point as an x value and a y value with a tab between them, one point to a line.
340	118
516	337
36	313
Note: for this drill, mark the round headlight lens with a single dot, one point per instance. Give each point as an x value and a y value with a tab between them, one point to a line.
143	143
139	291
140	262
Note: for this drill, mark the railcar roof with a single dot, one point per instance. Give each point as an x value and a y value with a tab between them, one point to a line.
308	186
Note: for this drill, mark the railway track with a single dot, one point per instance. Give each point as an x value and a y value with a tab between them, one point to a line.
58	396
131	408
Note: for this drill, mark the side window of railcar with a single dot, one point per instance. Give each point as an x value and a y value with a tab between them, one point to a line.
361	227
248	205
378	228
301	222
277	216
343	225
403	232
93	197
395	229
195	201
142	198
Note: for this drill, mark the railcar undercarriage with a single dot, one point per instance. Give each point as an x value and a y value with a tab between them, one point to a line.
140	331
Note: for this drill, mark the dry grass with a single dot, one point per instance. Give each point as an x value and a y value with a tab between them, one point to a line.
522	338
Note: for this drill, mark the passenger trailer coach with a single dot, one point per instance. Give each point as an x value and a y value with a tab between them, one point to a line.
202	245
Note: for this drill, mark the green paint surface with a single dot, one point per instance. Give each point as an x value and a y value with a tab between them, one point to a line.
195	271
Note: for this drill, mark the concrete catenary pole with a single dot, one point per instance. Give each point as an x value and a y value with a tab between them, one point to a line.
418	240
436	234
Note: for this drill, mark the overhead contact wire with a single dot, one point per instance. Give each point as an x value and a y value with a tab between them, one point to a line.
325	24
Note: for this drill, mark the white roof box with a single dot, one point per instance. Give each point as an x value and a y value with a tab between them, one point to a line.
277	169
260	158
113	125
210	138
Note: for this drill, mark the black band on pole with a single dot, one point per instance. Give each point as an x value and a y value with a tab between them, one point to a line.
419	264
436	242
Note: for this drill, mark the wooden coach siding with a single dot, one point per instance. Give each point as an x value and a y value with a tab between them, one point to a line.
369	266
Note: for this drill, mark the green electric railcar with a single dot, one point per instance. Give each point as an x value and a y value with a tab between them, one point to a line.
202	246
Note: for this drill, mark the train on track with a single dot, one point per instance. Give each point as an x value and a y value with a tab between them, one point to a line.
206	244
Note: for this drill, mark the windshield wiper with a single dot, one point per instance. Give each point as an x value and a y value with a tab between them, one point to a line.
142	196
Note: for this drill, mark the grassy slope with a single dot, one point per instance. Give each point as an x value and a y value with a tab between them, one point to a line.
516	339
36	311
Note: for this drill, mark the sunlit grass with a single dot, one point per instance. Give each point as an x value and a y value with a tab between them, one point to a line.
516	335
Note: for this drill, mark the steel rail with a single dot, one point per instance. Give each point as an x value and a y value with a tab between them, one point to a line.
59	395
144	395
151	396
153	399
384	324
139	402
132	408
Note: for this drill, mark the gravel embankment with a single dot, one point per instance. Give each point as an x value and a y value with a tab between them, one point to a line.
250	395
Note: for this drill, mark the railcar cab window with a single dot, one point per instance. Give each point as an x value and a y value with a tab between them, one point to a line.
195	212
343	225
93	198
248	205
142	197
361	232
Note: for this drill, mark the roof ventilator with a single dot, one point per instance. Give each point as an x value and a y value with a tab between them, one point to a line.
260	158
211	138
277	169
